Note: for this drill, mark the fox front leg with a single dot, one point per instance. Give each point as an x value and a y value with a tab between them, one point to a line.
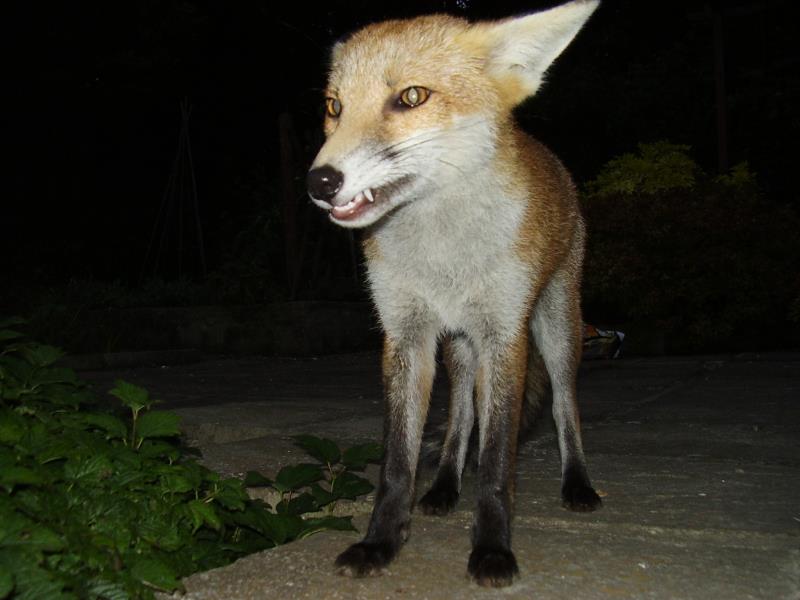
499	390
408	368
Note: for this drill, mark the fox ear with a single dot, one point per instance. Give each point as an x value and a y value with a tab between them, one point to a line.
521	49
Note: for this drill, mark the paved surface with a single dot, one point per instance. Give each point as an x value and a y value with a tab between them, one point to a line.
697	458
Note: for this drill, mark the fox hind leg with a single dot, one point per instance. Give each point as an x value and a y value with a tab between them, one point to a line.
557	330
461	361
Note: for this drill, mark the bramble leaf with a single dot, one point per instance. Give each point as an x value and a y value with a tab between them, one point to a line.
324	450
156	574
312	526
203	513
256	479
158	423
357	457
351	486
114	427
296	476
132	396
41	355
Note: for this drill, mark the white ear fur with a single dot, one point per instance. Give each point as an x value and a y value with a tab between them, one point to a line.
336	52
521	49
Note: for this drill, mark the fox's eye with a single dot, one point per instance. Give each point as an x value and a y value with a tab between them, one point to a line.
333	107
414	96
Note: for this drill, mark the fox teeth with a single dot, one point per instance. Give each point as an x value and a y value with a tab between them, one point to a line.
368	193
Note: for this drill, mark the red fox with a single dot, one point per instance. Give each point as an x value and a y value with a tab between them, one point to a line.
472	236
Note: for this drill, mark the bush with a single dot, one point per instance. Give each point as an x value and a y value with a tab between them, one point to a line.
710	262
100	505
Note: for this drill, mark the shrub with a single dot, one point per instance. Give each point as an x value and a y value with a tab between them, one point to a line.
710	262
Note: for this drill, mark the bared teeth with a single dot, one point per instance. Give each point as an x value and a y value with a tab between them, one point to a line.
355	203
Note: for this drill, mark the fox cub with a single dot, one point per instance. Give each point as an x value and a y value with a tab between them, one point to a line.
472	236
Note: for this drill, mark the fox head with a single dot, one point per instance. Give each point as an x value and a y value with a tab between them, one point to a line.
413	106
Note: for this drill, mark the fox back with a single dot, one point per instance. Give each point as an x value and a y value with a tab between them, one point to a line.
472	234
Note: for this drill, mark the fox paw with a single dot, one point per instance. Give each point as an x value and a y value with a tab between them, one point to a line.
491	567
365	559
580	497
438	501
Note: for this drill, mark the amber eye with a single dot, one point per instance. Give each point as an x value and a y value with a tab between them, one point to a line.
333	107
414	96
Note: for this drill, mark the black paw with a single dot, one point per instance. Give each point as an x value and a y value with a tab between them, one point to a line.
438	501
580	497
365	559
492	567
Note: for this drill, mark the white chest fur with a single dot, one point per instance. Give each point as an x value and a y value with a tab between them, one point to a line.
451	260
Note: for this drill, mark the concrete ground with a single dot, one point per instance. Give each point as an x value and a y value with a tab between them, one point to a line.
697	460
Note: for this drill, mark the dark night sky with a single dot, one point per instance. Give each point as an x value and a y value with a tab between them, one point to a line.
95	90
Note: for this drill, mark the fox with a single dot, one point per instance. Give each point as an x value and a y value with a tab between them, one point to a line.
473	239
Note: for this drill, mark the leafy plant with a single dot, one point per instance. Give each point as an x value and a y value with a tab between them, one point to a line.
101	505
315	487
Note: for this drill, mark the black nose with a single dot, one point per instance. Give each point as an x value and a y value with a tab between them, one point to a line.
323	182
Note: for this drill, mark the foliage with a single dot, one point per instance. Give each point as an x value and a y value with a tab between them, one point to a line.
659	166
712	265
101	505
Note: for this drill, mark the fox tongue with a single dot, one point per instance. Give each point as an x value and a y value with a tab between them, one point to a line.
347	211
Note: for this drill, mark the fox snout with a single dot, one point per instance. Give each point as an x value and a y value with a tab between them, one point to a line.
324	184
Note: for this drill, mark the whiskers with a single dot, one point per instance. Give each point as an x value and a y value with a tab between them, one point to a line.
401	154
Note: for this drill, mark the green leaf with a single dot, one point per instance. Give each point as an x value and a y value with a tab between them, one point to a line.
16	369
108	590
357	457
6	582
176	483
322	496
158	423
158	448
156	574
49	375
256	479
304	503
91	468
278	528
203	513
114	427
232	495
324	450
55	450
12	427
132	396
44	539
9	334
41	355
296	476
19	476
351	486
157	526
312	526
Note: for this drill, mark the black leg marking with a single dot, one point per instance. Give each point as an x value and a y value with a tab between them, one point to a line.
365	559
577	493
492	567
443	495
